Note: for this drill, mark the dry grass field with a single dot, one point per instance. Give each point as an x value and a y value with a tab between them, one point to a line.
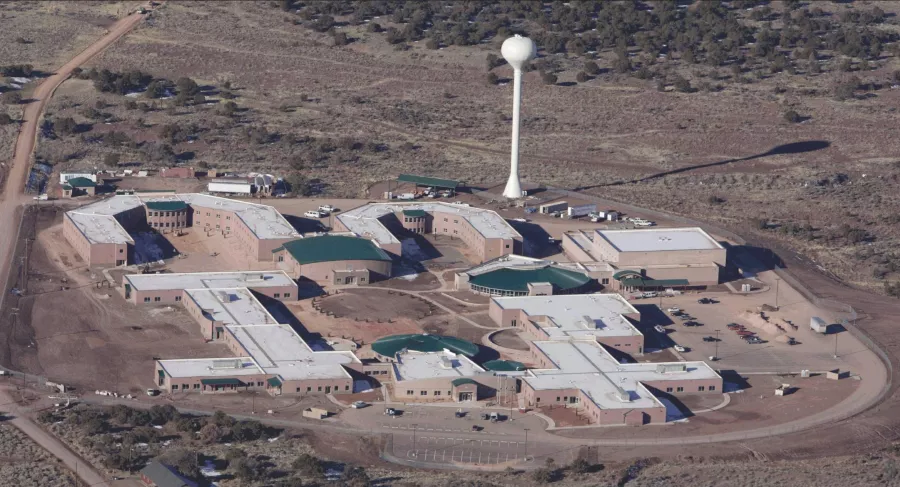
25	464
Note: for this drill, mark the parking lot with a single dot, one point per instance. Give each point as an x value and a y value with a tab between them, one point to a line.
812	351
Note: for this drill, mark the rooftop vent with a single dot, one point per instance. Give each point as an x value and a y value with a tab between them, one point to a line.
670	368
226	364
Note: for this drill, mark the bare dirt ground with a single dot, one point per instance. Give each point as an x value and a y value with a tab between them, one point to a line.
375	305
363	333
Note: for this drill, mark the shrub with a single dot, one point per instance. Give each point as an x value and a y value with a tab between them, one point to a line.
548	78
492	79
682	85
355	477
590	67
308	465
5	119
247	430
792	116
183	460
581	77
11	98
111	160
341	39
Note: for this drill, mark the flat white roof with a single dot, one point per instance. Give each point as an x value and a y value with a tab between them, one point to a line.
586	366
568	316
279	350
413	365
209	280
99	228
364	220
210	367
659	239
264	221
231	306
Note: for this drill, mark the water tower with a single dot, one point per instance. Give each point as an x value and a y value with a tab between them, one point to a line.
517	51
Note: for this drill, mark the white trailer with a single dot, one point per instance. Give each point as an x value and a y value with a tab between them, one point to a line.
553	207
818	325
229	186
581	210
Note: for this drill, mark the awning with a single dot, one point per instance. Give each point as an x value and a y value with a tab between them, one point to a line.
273	382
162	375
640	283
221	382
427	181
462	381
414	213
625	273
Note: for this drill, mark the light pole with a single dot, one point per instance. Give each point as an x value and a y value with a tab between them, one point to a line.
526	443
835	345
414	439
777	280
716	355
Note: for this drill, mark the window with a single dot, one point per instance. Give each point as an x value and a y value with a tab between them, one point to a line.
259	383
455	221
207	213
537	400
177	298
445	219
454	231
157	299
507	245
346	388
146	300
605	281
701	388
437	393
320	388
557	398
680	389
218	215
196	386
217	227
668	389
174	387
228	218
712	388
308	389
184	387
423	393
277	295
287	295
513	322
280	258
121	250
228	228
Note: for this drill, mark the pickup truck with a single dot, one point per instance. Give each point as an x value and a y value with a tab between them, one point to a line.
314	214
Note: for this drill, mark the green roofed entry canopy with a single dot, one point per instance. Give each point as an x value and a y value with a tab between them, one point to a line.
462	381
427	181
503	365
81	183
390	345
166	205
653	283
221	382
517	280
414	213
328	248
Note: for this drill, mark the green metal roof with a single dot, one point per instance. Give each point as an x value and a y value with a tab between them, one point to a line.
462	381
428	181
512	279
81	183
414	213
390	345
503	365
67	187
637	282
273	382
221	382
625	273
327	248
166	205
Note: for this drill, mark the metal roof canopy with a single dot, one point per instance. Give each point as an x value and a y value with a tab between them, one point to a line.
329	248
637	282
389	346
81	183
415	213
428	181
221	382
166	205
462	381
512	279
499	365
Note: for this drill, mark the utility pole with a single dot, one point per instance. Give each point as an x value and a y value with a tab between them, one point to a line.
835	345
415	450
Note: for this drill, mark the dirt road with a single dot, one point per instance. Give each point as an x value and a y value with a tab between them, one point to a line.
13	196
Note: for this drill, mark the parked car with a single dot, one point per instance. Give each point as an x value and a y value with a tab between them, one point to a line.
685	317
711	339
327	208
674	310
649	294
679	348
314	214
392	412
659	329
359	405
754	340
734	326
692	323
707	301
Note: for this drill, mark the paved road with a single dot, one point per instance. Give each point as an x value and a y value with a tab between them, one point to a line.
13	196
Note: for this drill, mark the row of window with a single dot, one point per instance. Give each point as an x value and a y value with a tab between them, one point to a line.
699	389
167	225
415	219
327	388
411	392
163	213
218	215
279	295
376	372
157	299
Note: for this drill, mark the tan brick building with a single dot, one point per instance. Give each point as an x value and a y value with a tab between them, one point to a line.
485	232
334	260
